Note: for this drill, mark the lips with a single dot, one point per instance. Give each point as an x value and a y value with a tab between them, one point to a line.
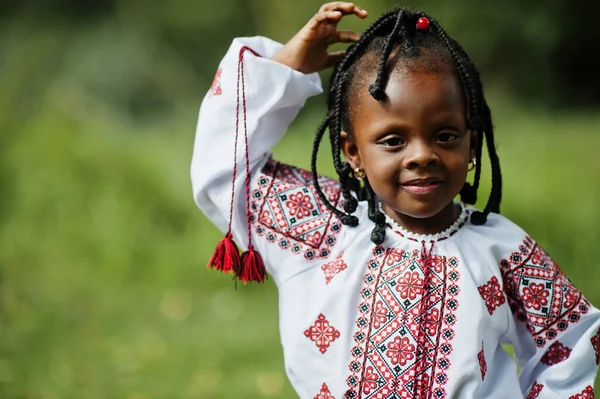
422	186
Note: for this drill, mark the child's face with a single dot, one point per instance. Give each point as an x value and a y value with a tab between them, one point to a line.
415	146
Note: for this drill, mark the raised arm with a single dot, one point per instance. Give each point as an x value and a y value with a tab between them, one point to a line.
277	81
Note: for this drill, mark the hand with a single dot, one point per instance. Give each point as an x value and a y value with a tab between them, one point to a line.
307	50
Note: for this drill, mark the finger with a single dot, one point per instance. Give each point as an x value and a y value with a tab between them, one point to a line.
346	36
344	8
334	57
323	17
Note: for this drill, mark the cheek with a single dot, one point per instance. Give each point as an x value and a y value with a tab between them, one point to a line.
381	166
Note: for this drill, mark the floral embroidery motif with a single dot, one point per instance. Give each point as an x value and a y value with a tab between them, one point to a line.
286	210
596	344
324	394
492	294
555	354
587	393
400	351
330	269
410	285
215	88
299	205
404	329
482	363
322	333
535	390
539	294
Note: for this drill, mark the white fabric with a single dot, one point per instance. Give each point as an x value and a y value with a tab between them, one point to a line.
422	294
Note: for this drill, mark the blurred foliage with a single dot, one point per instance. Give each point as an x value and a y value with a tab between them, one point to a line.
103	291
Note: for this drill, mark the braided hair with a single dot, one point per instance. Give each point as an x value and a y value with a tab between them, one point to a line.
395	40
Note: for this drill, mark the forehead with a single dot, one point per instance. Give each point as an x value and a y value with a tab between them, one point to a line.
402	70
413	98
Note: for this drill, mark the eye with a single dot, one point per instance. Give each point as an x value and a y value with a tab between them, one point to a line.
392	141
445	137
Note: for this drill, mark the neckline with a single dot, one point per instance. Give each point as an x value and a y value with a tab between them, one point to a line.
460	221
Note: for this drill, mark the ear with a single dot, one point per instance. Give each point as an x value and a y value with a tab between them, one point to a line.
350	150
473	143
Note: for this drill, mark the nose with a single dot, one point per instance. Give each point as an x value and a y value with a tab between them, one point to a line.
420	154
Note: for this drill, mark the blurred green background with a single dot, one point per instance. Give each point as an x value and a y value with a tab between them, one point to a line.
103	286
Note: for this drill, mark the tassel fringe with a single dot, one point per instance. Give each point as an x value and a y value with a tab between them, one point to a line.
252	267
226	257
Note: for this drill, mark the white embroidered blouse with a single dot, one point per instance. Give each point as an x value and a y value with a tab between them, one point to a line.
421	316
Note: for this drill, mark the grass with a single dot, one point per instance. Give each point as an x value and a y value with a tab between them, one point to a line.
104	292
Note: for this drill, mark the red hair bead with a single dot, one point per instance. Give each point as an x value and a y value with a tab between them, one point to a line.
423	23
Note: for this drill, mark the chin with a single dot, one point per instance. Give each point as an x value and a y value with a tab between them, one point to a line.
422	209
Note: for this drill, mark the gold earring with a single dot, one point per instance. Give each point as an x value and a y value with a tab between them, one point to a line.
472	164
359	174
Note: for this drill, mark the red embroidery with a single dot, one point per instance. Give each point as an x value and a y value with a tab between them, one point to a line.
596	344
400	351
215	88
535	390
404	329
381	315
322	333
587	393
535	296
299	205
556	353
482	363
330	269
410	285
539	294
286	210
324	394
492	294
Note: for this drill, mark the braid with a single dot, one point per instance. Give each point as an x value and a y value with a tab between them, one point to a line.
465	78
344	218
376	89
343	169
375	215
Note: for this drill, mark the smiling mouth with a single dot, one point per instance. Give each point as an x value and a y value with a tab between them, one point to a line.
422	186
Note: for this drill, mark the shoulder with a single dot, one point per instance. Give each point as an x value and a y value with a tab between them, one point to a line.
287	211
499	235
498	227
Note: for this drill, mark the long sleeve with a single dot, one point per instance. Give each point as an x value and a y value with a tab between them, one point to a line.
274	96
554	329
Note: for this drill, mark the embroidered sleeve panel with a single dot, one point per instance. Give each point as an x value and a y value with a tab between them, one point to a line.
540	294
286	211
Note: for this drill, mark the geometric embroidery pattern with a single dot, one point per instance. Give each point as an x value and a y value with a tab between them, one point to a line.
482	363
587	393
492	294
215	88
555	354
286	210
405	326
322	333
596	344
539	294
324	394
330	269
535	390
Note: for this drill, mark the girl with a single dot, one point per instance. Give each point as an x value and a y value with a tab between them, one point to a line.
388	288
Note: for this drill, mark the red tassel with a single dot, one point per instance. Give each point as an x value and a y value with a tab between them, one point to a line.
252	267
226	257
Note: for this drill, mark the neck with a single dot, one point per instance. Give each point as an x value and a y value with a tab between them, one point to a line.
431	225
